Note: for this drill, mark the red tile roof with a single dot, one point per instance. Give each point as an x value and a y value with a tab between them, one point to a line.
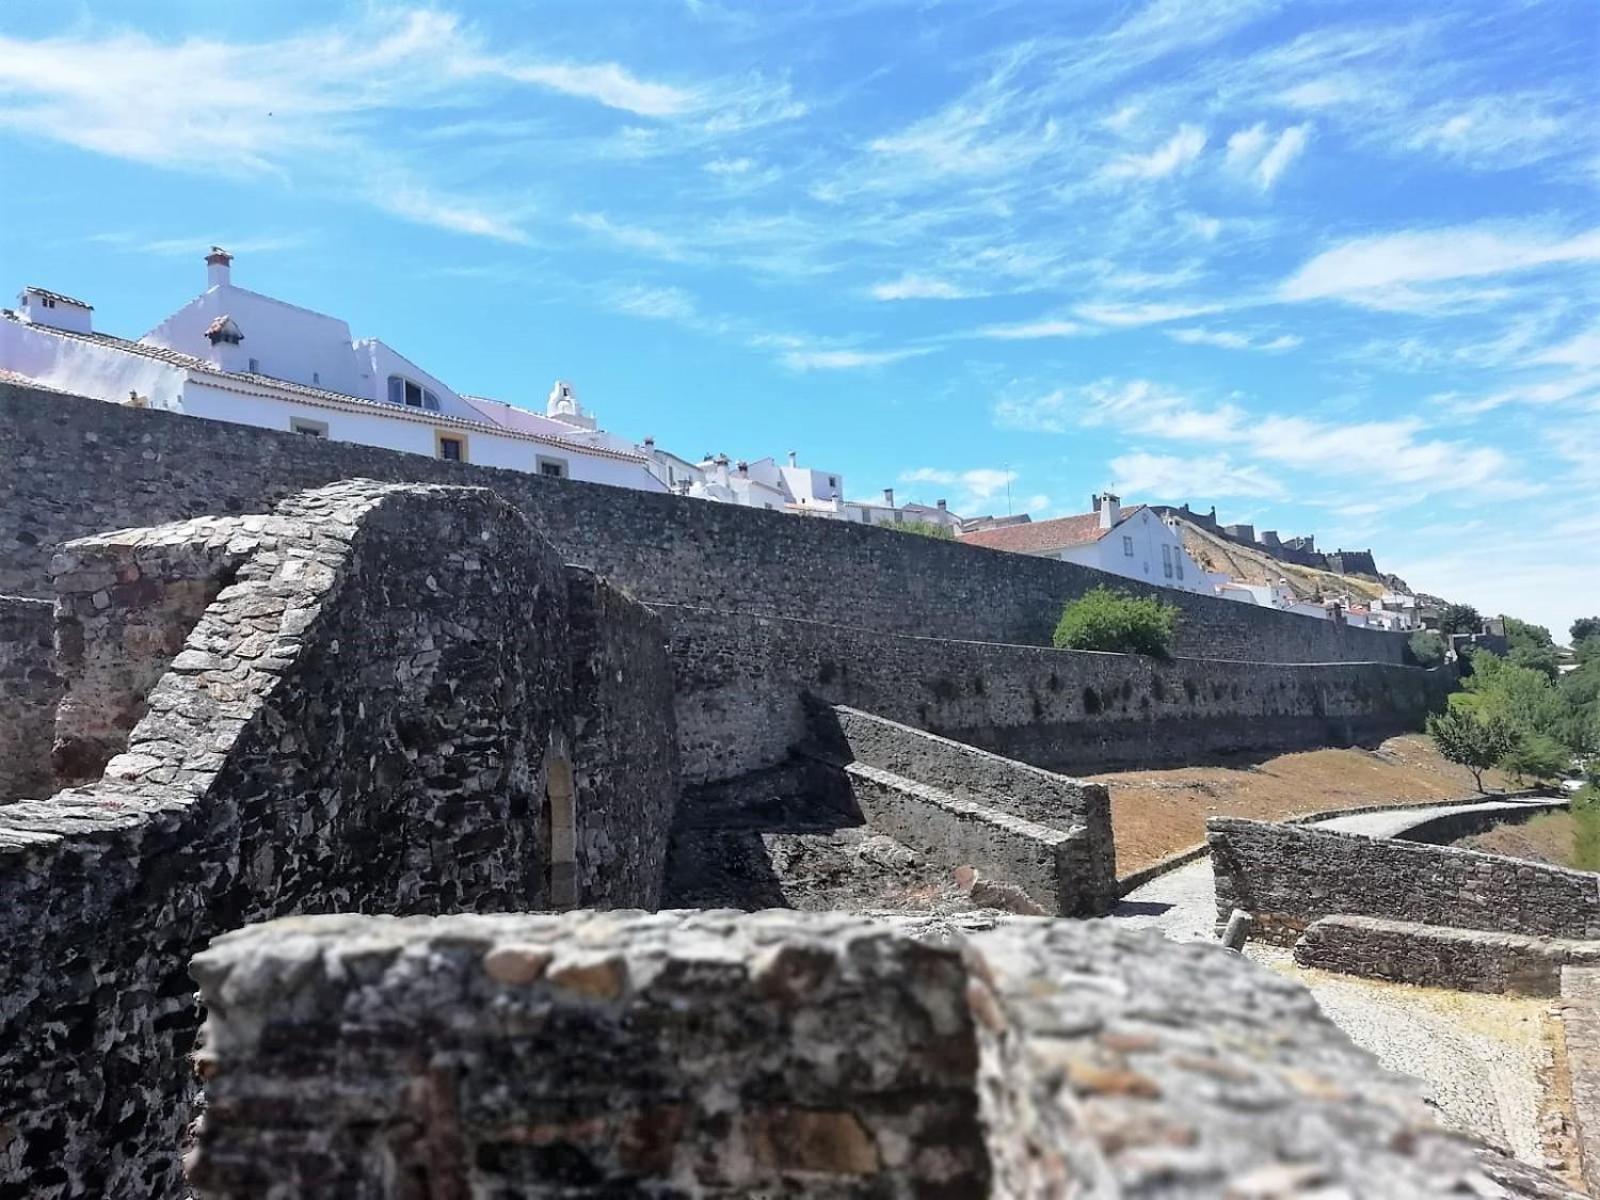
1041	537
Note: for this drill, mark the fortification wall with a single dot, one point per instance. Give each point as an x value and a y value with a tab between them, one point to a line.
740	679
30	690
1289	876
362	720
852	1061
85	466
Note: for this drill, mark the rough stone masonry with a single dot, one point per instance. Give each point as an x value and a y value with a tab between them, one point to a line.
379	711
709	1054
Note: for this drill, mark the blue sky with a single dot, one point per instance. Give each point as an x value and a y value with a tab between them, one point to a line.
1329	266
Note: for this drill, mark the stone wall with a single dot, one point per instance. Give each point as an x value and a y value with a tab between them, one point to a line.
363	720
1468	960
84	466
625	745
1289	876
704	1055
30	689
1016	807
1580	1028
741	679
125	602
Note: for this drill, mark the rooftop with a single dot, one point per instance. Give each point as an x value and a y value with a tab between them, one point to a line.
1038	537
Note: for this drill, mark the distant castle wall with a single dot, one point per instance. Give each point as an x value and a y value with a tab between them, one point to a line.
84	466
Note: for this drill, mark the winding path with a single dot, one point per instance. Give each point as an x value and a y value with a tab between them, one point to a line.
1478	1056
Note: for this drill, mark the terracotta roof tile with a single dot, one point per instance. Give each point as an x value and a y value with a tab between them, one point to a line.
1041	537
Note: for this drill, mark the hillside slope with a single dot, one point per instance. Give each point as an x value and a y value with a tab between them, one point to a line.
1214	553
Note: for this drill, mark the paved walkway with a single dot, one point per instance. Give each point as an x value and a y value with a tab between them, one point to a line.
1478	1056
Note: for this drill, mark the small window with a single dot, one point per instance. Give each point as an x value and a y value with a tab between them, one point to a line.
255	366
451	447
1166	561
1177	562
48	303
308	427
832	482
1127	546
553	468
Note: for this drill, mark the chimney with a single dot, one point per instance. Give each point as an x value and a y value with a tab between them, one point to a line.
1109	507
649	442
217	264
888	497
943	507
744	468
794	459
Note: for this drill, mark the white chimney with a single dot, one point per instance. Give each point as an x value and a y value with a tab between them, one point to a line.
794	459
217	264
55	311
888	497
943	507
1109	507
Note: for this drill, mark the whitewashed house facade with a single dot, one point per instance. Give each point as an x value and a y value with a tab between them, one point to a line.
232	354
1133	542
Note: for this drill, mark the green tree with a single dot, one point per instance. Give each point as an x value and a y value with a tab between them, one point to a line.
1427	647
1585	628
926	529
1536	658
1475	742
1459	618
1523	635
1108	619
1538	757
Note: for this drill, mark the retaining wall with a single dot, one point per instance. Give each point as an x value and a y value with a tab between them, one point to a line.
1289	876
362	720
30	689
85	466
1467	960
1038	1059
1023	805
740	680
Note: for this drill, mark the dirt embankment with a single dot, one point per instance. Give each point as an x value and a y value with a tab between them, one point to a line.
1562	839
1157	813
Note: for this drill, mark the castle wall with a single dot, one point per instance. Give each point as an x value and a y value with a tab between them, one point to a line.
363	720
84	466
740	680
518	1055
30	689
1288	876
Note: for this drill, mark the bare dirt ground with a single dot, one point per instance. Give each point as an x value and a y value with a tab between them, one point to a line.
1563	839
1157	813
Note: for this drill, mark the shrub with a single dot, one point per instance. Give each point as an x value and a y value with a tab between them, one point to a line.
1108	619
1474	741
1427	647
1538	757
1459	618
926	529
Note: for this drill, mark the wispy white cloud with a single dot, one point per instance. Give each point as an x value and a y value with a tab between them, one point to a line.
1155	313
1225	339
655	303
633	237
844	360
977	485
1175	154
1256	155
604	83
1402	270
1166	476
917	287
1045	327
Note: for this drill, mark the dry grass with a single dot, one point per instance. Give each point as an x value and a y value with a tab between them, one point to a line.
1156	813
1563	839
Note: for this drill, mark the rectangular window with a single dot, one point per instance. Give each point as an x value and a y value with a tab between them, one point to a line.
1166	561
308	427
255	366
1177	562
413	395
1127	546
451	448
553	468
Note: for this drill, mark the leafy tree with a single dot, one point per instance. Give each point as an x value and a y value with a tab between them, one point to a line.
1538	757
1475	742
1523	635
1522	697
1109	619
926	529
1585	628
1427	647
1536	658
1459	618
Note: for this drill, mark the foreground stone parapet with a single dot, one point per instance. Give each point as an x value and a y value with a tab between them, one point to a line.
700	1054
1469	960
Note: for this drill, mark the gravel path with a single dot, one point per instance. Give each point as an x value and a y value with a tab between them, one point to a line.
1478	1056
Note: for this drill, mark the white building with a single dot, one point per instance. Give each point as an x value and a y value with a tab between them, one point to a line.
1132	542
870	512
231	354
